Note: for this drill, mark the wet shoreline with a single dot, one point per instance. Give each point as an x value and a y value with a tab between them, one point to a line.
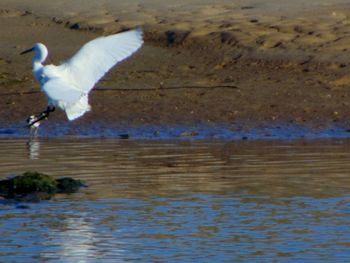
179	132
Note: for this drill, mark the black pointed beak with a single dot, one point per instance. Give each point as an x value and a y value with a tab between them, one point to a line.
27	51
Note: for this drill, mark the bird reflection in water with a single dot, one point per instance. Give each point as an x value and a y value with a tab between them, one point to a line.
33	144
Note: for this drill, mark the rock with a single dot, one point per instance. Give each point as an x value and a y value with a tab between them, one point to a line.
124	136
68	185
34	186
26	184
22	207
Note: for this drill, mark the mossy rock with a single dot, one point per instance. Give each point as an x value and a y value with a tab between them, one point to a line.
68	185
35	186
26	184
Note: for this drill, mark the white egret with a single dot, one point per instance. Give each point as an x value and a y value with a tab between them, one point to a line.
67	86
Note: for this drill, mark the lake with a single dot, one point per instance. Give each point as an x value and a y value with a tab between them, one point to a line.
181	201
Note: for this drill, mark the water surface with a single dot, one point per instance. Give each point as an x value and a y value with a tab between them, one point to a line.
182	201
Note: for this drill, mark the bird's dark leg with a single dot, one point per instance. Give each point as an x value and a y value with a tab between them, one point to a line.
44	115
50	109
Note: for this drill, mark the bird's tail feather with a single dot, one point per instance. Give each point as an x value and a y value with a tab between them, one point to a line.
78	109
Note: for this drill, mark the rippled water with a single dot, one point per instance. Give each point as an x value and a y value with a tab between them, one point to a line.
182	201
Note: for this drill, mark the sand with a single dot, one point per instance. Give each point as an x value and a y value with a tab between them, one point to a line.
248	63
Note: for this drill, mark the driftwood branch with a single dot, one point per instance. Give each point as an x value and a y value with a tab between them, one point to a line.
219	86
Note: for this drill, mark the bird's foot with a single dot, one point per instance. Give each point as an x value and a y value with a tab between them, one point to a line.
35	120
49	109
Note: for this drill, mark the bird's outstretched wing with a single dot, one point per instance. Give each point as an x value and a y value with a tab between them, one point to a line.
96	57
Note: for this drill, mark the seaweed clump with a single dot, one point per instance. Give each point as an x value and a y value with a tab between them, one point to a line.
35	186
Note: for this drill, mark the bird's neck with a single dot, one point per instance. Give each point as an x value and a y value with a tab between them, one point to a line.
37	65
39	57
38	70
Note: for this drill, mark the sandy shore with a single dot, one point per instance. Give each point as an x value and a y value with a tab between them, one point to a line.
248	63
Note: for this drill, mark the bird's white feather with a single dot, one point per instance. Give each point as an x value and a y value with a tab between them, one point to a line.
78	109
60	92
73	101
98	56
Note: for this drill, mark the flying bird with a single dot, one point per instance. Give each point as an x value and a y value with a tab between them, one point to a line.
67	86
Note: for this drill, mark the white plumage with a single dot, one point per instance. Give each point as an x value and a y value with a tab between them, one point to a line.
68	85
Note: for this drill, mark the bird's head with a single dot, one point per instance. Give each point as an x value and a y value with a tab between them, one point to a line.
40	51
